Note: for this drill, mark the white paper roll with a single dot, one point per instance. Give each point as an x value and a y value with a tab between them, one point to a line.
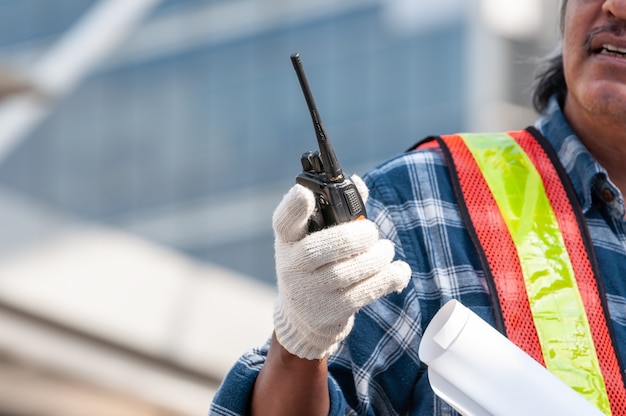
480	372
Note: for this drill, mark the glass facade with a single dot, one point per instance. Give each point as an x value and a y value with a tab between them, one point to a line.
192	148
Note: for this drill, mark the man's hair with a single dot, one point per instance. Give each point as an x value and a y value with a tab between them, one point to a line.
550	76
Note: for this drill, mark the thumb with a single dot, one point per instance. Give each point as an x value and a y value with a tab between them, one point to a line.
291	217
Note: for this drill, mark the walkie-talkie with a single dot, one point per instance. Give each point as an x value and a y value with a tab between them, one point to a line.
337	198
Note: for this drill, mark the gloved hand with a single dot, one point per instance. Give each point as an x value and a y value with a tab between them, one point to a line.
325	277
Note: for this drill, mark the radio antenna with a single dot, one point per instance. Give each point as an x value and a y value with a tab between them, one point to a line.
327	153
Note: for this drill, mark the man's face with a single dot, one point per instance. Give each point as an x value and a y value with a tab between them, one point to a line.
594	59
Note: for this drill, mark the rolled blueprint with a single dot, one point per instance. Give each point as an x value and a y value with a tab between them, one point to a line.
480	372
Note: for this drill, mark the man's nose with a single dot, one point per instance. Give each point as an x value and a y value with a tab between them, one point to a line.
616	8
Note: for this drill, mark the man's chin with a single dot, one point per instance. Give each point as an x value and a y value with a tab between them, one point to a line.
605	99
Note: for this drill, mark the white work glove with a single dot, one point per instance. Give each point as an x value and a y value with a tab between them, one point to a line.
325	277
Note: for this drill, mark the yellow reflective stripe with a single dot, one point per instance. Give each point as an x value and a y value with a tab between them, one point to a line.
555	302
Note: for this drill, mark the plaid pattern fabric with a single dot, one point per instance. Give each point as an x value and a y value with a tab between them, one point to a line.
376	371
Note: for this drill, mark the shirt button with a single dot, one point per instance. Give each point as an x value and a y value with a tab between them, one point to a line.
607	195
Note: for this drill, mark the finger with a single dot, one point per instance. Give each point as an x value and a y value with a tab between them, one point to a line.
393	278
336	243
347	273
291	217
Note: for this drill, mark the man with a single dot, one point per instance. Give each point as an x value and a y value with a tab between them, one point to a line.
325	358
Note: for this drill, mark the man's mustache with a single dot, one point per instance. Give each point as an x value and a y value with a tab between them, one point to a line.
615	27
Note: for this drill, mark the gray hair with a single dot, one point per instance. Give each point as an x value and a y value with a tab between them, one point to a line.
550	76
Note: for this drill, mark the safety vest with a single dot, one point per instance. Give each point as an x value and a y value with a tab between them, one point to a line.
527	225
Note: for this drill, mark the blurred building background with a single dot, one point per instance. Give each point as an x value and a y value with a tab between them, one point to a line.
136	192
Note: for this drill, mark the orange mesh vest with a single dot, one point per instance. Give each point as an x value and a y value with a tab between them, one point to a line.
526	223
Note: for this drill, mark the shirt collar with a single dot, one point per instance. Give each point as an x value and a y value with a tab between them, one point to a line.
589	178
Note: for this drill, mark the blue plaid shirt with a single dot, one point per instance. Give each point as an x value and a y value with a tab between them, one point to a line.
376	370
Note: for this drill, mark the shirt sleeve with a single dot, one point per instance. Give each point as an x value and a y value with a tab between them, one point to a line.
235	392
